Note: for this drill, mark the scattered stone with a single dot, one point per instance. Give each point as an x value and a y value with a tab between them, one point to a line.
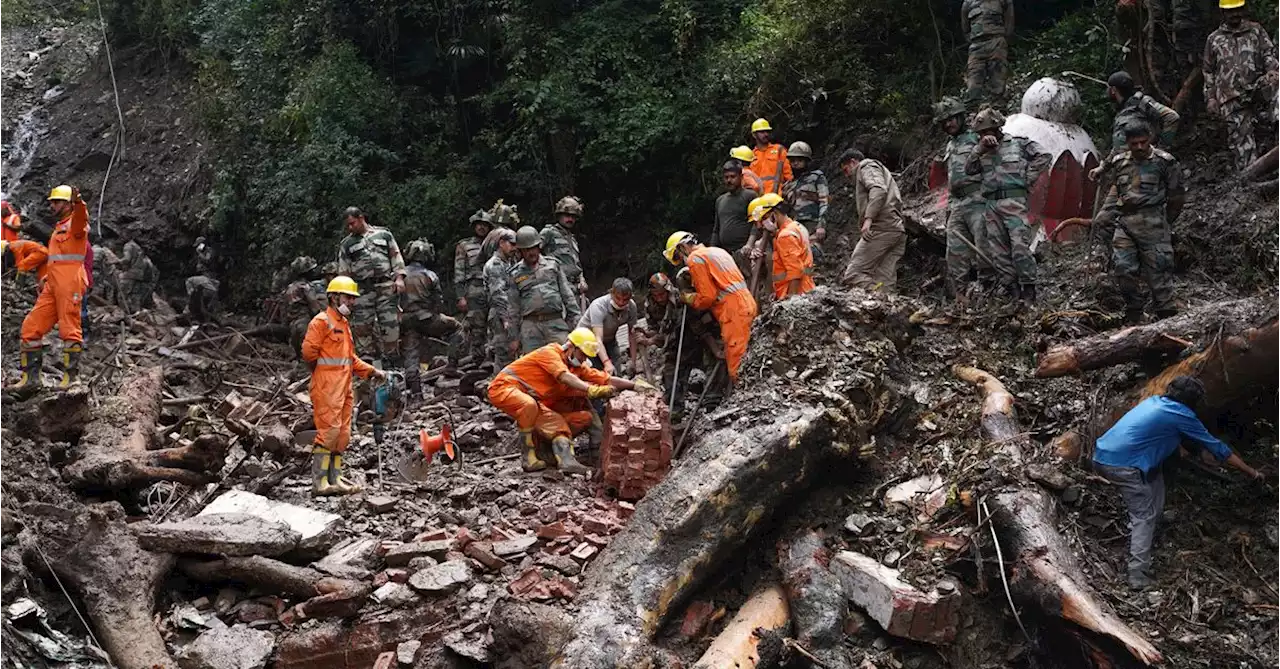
514	546
1048	476
1072	494
226	599
900	608
251	612
472	648
318	528
553	531
926	494
407	652
380	504
482	552
397	575
584	552
230	534
237	647
561	563
441	578
355	559
857	523
395	595
478	592
401	555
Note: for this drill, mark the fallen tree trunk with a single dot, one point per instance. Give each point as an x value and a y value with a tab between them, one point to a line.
739	644
1042	571
817	599
115	451
1164	337
91	550
1262	166
328	596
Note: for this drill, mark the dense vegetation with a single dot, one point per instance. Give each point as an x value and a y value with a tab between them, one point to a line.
421	111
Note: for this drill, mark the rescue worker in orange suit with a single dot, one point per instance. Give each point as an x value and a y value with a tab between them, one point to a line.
10	222
717	285
745	156
26	256
770	162
59	302
792	256
547	393
331	352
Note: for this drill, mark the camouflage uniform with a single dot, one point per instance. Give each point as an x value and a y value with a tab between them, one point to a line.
807	197
468	280
202	289
559	243
373	260
421	302
137	278
966	211
542	299
1146	188
985	23
106	276
1138	110
1008	174
1178	20
1240	78
497	277
303	299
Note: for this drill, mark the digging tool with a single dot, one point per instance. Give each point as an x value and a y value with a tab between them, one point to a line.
975	249
675	379
694	414
387	404
414	466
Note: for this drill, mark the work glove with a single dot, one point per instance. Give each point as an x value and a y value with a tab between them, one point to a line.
601	392
688	298
645	387
683	279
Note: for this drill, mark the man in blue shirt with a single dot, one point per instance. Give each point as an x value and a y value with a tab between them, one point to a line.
1131	452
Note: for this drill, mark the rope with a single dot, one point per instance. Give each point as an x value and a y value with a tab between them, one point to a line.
118	147
1003	578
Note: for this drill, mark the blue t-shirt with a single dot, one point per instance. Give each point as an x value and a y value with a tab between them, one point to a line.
1151	432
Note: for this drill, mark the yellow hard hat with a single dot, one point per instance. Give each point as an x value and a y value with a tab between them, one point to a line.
585	340
62	192
743	153
762	205
760	124
675	239
344	285
1230	4
4	246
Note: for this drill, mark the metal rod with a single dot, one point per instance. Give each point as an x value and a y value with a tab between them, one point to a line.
694	414
675	378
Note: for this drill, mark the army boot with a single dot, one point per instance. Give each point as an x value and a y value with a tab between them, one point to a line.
565	460
340	483
32	362
71	365
532	463
320	462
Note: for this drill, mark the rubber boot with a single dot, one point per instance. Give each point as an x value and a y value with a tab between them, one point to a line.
320	462
71	365
563	449
595	431
532	463
32	362
340	483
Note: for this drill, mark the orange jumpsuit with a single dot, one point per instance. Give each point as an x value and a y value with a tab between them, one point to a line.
59	301
751	181
792	259
10	223
721	288
330	348
29	256
766	167
529	390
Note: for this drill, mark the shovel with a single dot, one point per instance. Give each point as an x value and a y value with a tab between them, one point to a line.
415	464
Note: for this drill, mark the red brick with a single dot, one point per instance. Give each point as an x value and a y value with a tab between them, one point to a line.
482	552
599	526
433	535
397	575
636	453
901	609
526	581
463	538
386	660
553	531
562	589
335	644
696	617
596	540
380	579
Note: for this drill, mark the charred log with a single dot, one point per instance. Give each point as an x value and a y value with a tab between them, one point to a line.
327	595
817	599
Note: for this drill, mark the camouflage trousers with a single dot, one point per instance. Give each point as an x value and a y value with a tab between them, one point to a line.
537	331
1240	115
966	220
375	321
136	295
987	69
416	334
1009	241
1177	19
476	322
1103	227
874	264
1142	244
499	342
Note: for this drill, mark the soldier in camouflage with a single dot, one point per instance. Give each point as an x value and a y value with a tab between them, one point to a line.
504	215
106	276
303	298
497	280
966	208
422	320
988	24
138	278
539	296
370	255
468	281
1009	166
559	243
202	289
807	196
1149	197
1240	78
1133	109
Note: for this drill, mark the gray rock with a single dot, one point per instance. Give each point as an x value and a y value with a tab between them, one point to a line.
401	555
420	563
514	546
441	578
356	559
407	652
318	528
561	563
395	595
231	534
858	523
237	647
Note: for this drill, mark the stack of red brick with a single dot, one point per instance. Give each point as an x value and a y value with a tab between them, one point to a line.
636	453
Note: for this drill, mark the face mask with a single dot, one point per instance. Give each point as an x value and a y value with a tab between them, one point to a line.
344	310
